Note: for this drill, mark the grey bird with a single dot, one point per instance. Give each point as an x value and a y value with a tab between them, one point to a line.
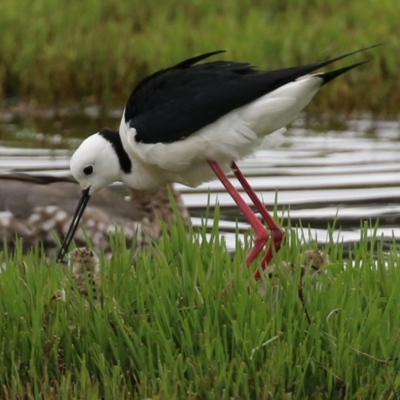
36	208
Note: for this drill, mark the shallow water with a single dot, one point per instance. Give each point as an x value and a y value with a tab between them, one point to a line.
351	176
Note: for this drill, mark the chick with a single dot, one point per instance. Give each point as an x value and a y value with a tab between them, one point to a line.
85	274
85	271
312	261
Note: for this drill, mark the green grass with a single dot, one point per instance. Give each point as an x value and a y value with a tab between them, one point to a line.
170	334
93	52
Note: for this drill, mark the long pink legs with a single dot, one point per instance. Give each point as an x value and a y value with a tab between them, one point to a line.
262	234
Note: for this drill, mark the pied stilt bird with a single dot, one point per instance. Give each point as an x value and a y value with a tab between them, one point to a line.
190	122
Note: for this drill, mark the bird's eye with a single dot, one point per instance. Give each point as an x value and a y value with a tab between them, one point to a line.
88	170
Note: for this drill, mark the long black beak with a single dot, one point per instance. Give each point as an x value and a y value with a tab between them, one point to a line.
74	225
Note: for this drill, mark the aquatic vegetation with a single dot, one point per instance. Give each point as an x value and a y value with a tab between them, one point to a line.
163	329
94	52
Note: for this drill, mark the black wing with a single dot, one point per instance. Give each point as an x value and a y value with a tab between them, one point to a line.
176	102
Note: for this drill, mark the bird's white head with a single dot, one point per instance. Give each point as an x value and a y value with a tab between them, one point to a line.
95	163
100	160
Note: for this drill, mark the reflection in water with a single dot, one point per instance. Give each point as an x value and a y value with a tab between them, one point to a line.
318	177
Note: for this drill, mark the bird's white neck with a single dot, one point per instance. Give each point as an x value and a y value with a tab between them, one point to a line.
143	175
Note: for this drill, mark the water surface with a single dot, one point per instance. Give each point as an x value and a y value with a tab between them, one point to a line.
350	177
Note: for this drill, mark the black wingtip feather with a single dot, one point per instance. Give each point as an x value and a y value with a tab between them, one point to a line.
328	76
194	60
332	60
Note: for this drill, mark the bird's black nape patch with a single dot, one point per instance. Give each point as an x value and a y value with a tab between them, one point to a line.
115	140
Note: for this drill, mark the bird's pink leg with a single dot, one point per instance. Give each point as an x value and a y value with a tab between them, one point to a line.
262	234
275	230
